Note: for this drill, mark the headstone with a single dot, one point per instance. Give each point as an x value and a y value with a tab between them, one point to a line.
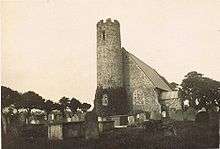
202	110
73	130
105	126
116	120
142	117
99	118
202	117
69	119
91	125
131	120
123	120
155	115
176	115
52	116
189	114
55	132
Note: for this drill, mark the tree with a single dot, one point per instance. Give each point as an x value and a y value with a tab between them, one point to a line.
85	107
9	96
31	100
48	107
64	102
74	105
174	86
200	91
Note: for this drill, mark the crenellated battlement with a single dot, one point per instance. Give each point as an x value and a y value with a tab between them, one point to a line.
108	22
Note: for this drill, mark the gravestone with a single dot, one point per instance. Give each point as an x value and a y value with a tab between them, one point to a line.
155	115
55	131
202	117
189	114
91	125
131	120
142	117
105	126
73	130
176	115
116	120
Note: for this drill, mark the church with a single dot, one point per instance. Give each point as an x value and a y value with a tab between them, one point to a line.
126	86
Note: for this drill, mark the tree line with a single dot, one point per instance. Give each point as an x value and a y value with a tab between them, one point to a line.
31	100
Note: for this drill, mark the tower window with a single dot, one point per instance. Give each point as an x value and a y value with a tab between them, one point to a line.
103	35
104	100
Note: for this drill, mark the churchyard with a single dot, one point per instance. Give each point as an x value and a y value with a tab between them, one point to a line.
163	133
187	128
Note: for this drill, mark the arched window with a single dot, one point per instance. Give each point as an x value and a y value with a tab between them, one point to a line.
104	100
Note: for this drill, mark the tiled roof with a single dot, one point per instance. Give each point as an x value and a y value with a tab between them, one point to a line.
157	80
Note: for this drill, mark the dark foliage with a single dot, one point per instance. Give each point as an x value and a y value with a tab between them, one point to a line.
64	102
85	107
117	101
9	97
173	85
74	104
48	107
204	90
31	100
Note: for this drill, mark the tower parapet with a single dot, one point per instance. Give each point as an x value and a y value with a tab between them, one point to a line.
108	22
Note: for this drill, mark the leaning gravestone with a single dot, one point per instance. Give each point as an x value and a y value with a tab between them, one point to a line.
91	125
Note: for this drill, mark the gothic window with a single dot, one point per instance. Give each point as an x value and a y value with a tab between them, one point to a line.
104	100
103	35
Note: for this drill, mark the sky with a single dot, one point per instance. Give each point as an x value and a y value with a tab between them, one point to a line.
49	46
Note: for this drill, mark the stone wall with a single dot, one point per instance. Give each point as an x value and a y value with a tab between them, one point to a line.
142	95
109	55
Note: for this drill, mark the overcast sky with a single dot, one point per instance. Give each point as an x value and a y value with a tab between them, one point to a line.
49	46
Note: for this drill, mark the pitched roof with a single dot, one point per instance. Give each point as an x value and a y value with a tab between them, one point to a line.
157	80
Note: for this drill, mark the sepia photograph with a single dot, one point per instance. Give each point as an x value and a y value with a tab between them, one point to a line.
110	74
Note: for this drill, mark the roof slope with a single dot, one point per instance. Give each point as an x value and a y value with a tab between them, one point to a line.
157	80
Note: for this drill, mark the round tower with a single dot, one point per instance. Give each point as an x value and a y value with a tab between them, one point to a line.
109	55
